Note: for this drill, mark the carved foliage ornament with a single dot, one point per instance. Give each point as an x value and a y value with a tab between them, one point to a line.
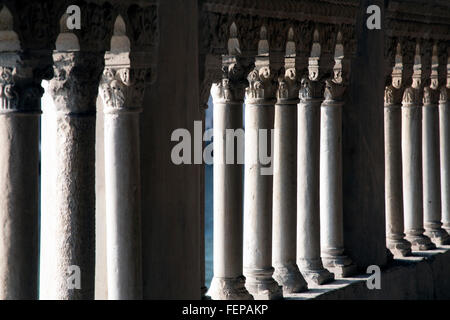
17	93
311	89
74	86
430	96
288	86
8	95
231	87
123	89
261	84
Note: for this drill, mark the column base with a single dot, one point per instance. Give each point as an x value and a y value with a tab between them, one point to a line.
446	227
228	289
290	278
262	286
314	272
437	235
341	266
399	247
419	241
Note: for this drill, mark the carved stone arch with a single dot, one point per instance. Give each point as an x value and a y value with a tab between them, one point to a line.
339	52
290	47
233	45
9	40
143	26
34	23
66	40
442	61
263	43
120	41
426	54
303	37
249	31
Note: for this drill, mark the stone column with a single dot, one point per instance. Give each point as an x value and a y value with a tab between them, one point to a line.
259	120
308	203
284	235
444	135
122	90
412	166
228	282
431	165
20	110
74	90
395	241
331	211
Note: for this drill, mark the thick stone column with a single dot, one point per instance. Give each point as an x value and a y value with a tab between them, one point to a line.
122	91
331	211
444	135
259	120
395	241
284	235
20	110
228	282
308	203
74	90
431	166
412	166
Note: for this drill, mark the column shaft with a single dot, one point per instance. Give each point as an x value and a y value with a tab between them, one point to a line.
286	273
74	90
258	204
122	175
308	203
228	282
431	170
412	173
331	211
444	136
393	181
19	205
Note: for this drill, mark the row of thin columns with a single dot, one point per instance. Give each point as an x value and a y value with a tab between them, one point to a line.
74	200
283	214
416	137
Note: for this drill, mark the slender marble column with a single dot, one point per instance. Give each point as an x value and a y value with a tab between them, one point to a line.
74	90
308	203
431	167
395	237
20	110
412	167
228	282
284	235
444	135
331	211
259	120
122	91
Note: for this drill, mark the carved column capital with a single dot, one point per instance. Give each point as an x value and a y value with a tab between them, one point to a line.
20	83
430	96
393	96
231	89
122	85
412	96
334	91
74	86
311	89
288	87
262	86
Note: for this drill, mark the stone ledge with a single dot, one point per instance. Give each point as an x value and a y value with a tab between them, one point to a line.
425	275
